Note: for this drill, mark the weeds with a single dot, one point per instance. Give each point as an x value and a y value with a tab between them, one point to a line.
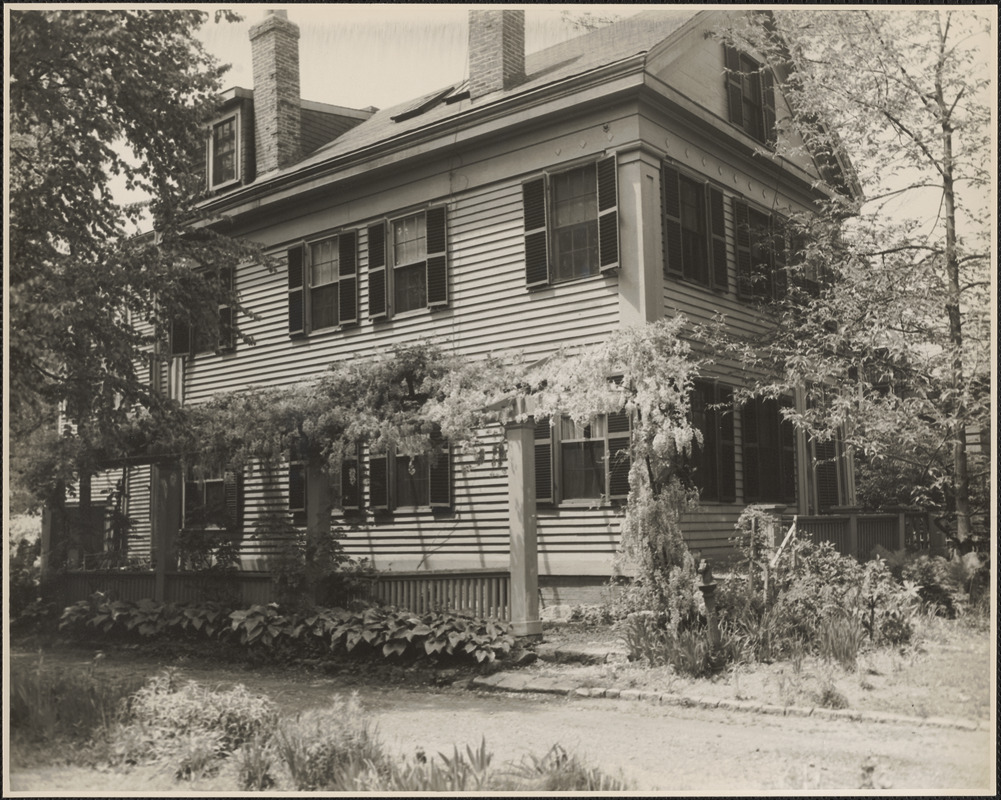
839	640
48	706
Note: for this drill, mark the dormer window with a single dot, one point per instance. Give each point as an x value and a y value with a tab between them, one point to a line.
750	90
224	149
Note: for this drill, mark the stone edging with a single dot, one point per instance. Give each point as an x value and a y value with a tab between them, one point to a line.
513	682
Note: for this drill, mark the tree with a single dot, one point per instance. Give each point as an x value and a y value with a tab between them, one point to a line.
888	320
98	97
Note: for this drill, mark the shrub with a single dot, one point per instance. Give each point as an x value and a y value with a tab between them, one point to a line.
255	764
163	716
22	574
323	748
690	651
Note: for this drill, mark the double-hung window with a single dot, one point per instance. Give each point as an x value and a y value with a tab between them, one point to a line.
323	284
571	223
750	90
769	452
694	229
575	462
214	500
403	482
223	152
712	462
187	339
408	263
761	253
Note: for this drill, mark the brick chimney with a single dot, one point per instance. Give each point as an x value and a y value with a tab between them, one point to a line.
496	50
274	46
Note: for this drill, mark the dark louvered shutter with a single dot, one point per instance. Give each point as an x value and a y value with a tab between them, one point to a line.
618	455
378	482
377	271
608	214
751	470
347	278
787	440
296	291
671	186
440	479
727	450
745	288
536	235
717	234
297	492
233	494
437	263
351	482
180	338
826	471
779	256
768	105
734	90
543	461
227	328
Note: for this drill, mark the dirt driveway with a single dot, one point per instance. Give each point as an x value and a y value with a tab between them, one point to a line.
656	748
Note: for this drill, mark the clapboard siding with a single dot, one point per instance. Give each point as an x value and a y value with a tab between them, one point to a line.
138	511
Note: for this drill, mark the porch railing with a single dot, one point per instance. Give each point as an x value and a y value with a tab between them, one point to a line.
859	534
482	593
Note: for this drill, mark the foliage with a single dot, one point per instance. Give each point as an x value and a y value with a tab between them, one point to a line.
96	98
646	372
165	719
690	651
560	771
49	705
319	747
380	632
893	344
945	585
22	574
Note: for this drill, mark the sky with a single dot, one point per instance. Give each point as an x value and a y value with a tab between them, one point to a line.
361	55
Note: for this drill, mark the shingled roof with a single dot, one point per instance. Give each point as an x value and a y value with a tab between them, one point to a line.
621	40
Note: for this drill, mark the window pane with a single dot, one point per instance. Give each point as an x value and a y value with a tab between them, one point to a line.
411	482
323	262
409	239
224	151
583	469
323	306
410	287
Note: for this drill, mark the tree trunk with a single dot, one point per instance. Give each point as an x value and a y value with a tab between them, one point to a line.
961	475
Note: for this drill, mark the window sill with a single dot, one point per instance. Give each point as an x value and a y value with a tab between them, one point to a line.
673	276
551	284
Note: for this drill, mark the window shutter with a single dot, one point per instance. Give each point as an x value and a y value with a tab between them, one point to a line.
727	450
826	471
536	236
297	492
227	331
671	194
296	291
608	214
787	439
752	482
717	235
779	257
233	493
437	263
377	271
440	479
378	482
618	455
745	289
181	335
351	482
768	105
543	461
347	278
734	90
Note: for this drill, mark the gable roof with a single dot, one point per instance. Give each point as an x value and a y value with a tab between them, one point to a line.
630	37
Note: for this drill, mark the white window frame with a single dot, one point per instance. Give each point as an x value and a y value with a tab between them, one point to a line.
236	116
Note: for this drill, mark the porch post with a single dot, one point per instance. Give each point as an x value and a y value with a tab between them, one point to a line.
525	620
165	519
